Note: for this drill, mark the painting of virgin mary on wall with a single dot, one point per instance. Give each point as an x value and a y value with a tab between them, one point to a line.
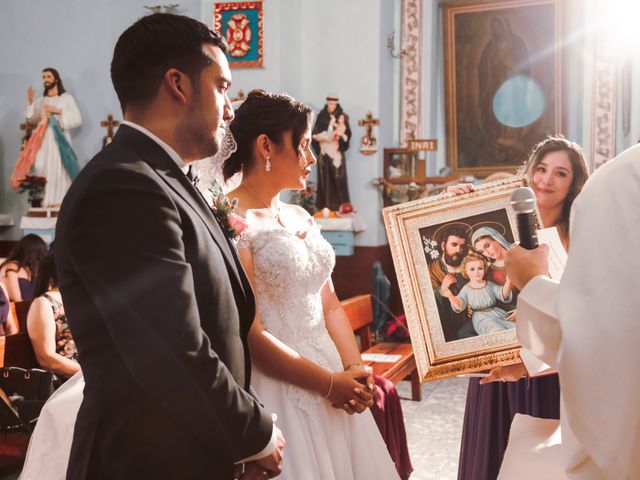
502	81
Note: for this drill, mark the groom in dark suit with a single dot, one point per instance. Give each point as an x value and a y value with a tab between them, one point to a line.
154	294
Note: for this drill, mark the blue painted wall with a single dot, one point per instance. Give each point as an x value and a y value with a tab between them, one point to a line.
312	47
77	38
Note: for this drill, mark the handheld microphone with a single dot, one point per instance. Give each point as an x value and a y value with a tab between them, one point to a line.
523	203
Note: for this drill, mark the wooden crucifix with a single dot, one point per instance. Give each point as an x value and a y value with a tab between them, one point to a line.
109	124
28	127
368	143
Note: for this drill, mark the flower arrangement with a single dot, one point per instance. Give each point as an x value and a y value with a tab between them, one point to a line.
431	248
35	186
306	198
232	224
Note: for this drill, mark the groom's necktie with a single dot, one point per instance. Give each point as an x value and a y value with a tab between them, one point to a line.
192	176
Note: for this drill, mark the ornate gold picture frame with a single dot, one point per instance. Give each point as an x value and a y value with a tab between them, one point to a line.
432	237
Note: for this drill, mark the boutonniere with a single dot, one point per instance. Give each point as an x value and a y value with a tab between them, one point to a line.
232	224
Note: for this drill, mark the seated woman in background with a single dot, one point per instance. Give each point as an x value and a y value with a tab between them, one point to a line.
8	324
18	270
47	324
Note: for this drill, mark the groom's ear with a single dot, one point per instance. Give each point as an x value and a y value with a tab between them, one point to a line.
177	85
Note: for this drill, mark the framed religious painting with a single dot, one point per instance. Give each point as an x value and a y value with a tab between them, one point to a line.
448	252
241	24
502	81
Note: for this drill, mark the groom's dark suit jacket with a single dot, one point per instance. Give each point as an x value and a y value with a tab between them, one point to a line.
160	310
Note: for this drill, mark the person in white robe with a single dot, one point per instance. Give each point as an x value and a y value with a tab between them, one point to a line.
587	328
49	162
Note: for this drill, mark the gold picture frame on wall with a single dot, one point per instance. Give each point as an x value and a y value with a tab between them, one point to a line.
502	81
437	237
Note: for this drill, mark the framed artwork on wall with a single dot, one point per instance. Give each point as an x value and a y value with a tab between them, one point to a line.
448	253
502	81
241	24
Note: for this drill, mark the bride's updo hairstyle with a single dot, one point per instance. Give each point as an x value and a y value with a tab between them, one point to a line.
271	114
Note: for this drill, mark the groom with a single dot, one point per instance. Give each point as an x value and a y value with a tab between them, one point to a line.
153	291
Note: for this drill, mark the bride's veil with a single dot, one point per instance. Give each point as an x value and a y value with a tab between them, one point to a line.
210	169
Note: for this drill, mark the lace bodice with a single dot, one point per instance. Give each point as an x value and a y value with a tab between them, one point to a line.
290	272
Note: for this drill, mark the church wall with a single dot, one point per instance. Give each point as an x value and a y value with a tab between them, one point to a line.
317	47
77	38
344	53
578	18
312	48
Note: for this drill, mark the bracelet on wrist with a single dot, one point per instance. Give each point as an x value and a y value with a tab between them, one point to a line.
330	385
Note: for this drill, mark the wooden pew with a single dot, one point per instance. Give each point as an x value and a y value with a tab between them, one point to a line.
20	312
360	314
16	351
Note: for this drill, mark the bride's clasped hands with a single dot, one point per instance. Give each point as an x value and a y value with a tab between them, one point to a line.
349	397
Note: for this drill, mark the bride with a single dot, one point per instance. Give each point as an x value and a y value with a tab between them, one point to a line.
307	366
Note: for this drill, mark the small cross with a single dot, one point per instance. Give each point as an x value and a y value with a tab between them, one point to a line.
28	127
368	141
109	124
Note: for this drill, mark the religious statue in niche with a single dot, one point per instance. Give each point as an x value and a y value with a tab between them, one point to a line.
48	152
331	135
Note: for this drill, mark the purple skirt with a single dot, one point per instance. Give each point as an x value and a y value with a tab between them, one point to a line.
487	419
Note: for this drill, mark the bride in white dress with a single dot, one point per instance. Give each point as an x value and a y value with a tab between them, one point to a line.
307	366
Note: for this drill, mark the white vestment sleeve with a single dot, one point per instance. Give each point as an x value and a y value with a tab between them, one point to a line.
537	326
70	117
535	367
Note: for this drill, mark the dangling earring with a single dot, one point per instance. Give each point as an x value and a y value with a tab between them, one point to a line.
267	164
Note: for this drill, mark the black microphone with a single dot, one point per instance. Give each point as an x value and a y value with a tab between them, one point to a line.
523	203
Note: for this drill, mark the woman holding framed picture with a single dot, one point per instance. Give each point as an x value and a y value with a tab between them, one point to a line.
557	171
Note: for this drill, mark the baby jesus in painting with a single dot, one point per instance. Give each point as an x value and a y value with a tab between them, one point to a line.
480	296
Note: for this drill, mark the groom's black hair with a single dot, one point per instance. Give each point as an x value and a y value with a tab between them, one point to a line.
153	45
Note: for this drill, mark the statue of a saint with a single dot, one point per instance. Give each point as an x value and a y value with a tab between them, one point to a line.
331	135
48	152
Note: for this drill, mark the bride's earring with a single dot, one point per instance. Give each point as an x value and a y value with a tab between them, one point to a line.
267	164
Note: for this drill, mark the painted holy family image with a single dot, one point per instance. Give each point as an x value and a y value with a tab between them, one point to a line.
472	291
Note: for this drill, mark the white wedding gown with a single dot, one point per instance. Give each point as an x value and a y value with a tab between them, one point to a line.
323	443
50	445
